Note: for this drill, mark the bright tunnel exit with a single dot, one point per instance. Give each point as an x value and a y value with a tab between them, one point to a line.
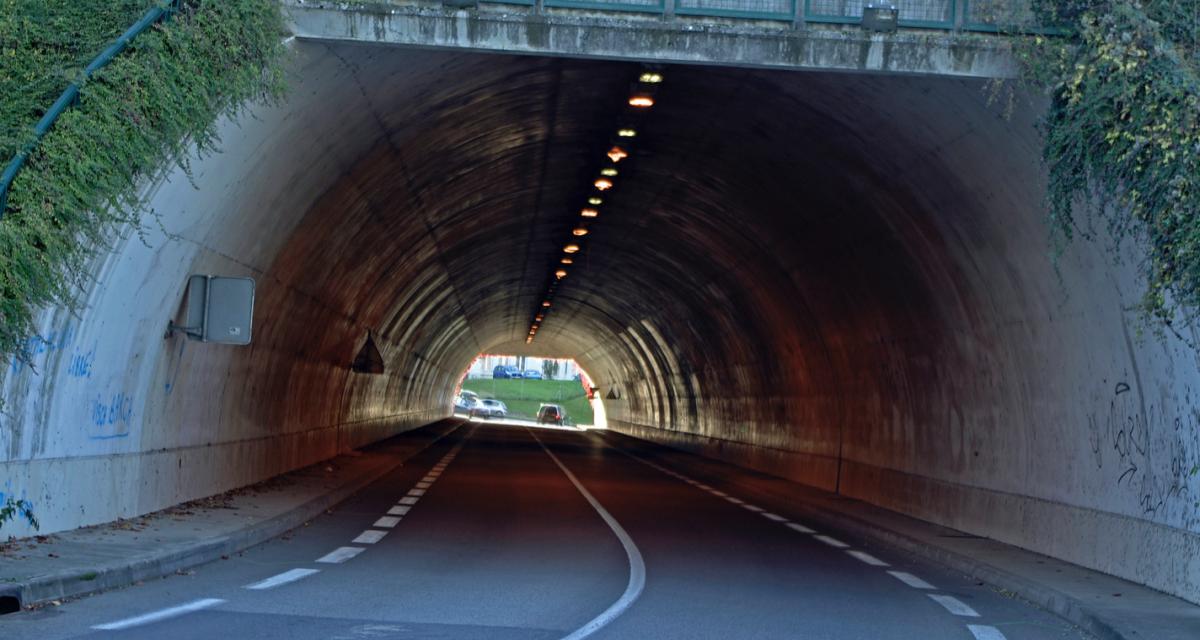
526	389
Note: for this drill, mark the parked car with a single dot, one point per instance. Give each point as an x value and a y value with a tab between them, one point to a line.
504	371
465	400
531	374
551	414
489	408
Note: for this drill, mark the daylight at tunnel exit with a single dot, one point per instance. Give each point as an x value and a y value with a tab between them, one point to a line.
604	319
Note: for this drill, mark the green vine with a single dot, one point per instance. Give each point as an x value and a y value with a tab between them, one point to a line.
14	508
1122	136
148	107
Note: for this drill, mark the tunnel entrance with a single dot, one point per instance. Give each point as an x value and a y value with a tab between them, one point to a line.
541	390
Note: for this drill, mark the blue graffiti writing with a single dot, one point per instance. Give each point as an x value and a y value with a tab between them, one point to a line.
81	364
112	416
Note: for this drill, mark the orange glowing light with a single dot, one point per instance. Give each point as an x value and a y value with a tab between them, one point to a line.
589	213
603	184
579	231
641	102
568	261
571	248
617	154
560	274
545	303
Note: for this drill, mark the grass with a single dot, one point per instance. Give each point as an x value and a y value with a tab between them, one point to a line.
523	397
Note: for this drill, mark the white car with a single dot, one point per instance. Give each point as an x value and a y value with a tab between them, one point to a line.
465	401
489	409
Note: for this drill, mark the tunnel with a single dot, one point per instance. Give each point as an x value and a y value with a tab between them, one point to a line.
840	279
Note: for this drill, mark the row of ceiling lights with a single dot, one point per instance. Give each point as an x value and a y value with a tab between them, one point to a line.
641	98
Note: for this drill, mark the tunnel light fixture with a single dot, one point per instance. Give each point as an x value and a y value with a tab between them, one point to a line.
568	261
608	171
627	133
579	231
641	102
650	77
589	213
546	303
617	154
529	340
571	248
603	184
539	317
560	274
595	202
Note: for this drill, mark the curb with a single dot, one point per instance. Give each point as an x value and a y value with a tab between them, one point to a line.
75	582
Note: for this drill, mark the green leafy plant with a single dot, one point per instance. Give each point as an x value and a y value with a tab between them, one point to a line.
148	107
1122	136
14	508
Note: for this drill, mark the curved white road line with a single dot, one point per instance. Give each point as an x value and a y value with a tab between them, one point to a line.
637	568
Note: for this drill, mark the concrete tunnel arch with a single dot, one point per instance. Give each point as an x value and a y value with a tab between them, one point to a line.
837	278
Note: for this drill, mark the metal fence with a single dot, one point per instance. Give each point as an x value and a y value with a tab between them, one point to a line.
969	15
936	14
754	9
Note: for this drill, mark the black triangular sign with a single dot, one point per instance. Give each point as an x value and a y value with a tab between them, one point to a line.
368	360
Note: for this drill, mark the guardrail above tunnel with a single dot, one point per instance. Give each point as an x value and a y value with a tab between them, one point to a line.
966	38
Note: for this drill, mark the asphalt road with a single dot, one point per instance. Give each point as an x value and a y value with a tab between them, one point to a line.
503	531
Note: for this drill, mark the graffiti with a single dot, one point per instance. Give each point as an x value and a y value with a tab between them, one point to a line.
81	364
111	417
37	345
1154	455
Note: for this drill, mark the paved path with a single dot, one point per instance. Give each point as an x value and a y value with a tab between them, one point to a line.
510	532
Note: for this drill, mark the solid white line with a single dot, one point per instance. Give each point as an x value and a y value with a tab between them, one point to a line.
982	632
159	615
750	507
424	484
409	500
283	578
370	536
719	494
773	516
911	580
416	492
387	522
868	558
799	527
735	500
340	555
954	605
833	542
398	511
637	568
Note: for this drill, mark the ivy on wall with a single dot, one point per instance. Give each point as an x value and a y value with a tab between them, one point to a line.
149	106
1122	136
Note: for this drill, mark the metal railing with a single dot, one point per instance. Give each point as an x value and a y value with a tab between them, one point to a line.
947	15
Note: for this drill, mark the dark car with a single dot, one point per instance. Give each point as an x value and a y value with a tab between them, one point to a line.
551	414
504	371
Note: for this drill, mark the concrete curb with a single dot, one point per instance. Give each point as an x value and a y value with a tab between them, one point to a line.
162	562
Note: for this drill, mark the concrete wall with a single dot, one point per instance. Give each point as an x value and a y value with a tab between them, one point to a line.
838	278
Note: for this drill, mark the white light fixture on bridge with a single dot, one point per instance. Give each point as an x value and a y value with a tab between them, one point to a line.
626	133
595	202
650	77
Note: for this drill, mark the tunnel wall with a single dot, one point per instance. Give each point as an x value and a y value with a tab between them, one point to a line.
841	279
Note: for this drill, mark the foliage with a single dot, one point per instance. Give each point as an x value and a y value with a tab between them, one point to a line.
523	397
13	508
82	182
1123	135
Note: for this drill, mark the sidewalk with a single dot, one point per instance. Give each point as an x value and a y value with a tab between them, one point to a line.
1107	607
46	569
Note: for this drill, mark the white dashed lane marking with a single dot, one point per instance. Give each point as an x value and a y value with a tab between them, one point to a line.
735	500
370	536
416	492
911	580
340	555
868	558
833	542
408	500
282	579
387	522
773	517
982	632
398	511
954	605
755	509
424	484
159	615
799	527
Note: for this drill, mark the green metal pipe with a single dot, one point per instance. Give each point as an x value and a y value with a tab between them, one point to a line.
155	15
